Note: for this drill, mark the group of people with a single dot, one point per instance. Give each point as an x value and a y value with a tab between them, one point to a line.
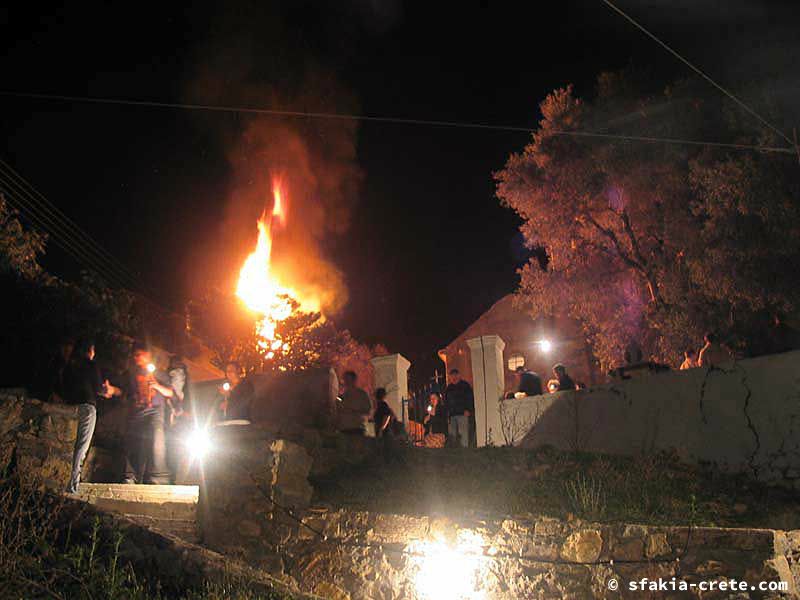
530	384
154	399
156	403
449	416
712	354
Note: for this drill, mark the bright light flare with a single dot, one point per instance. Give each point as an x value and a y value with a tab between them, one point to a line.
545	346
226	386
198	442
151	368
450	572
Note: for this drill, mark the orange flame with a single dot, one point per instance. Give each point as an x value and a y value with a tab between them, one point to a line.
260	289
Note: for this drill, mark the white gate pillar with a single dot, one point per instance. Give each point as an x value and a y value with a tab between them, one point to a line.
488	383
391	373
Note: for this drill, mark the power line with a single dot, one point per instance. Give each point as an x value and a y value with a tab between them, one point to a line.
394	120
68	226
697	70
17	198
55	227
73	243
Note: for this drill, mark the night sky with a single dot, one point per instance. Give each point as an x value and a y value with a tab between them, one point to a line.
428	248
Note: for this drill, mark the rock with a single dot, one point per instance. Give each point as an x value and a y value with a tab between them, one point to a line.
398	528
628	549
657	545
583	546
330	592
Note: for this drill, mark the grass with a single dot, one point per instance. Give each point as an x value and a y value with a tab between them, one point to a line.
41	557
512	481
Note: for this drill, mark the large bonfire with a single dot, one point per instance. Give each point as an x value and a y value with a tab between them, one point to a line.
261	290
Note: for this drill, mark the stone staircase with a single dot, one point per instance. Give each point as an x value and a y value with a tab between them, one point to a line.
166	508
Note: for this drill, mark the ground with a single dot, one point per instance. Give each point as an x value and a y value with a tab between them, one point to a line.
656	490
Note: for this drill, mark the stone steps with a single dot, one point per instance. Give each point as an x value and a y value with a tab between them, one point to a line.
166	508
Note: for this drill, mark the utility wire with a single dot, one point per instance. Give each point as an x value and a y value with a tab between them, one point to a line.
77	249
39	199
381	119
17	199
111	269
697	70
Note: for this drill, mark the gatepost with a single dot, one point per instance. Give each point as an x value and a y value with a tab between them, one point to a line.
488	382
391	373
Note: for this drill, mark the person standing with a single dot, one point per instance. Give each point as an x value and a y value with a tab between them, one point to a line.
435	423
387	428
145	444
237	400
83	385
565	382
528	382
354	407
459	403
712	354
689	359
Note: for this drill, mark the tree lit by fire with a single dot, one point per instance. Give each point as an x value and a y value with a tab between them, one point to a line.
260	289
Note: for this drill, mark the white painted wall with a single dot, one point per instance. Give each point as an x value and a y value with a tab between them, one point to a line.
743	417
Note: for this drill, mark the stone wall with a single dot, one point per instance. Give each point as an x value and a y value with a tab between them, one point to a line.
37	438
743	417
345	554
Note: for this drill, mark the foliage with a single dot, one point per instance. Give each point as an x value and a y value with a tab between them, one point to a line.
655	242
586	496
40	560
40	309
311	340
648	489
20	249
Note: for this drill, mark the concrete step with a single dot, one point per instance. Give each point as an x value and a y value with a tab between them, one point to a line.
167	508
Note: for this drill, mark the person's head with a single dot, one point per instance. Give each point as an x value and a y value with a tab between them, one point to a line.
690	353
233	372
350	379
559	370
84	348
141	356
454	376
380	394
710	338
433	399
518	372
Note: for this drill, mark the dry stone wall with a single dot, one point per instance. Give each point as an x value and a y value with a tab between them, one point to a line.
38	438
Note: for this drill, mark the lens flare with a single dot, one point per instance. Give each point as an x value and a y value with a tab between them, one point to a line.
198	443
450	572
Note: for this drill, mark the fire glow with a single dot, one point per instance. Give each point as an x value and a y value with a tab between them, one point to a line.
260	289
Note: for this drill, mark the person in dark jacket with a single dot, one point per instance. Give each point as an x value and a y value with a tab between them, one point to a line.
565	382
528	382
83	385
148	391
237	400
459	403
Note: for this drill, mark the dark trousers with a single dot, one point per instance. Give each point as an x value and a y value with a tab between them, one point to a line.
146	448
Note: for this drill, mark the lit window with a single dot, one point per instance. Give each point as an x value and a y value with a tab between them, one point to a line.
515	361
